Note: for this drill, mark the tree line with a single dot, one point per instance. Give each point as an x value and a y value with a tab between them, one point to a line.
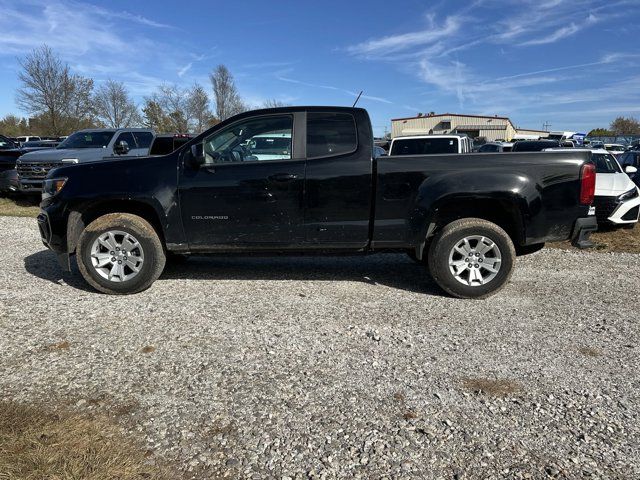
59	101
620	126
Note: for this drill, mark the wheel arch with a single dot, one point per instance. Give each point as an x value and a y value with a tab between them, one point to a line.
83	214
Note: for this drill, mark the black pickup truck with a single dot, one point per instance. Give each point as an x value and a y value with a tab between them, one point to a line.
303	180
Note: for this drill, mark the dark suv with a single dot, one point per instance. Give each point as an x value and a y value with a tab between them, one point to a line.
631	159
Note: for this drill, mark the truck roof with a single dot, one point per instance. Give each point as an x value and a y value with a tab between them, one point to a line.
134	129
416	137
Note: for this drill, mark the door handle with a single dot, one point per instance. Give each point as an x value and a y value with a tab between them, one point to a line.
282	177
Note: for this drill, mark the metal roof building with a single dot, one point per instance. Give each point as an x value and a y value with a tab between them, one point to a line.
491	128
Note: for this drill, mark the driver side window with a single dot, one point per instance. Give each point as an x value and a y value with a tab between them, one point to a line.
251	140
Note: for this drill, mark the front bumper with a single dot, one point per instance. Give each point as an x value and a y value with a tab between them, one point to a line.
581	231
31	186
9	181
53	238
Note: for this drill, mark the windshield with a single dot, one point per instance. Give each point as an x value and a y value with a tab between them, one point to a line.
424	146
87	140
605	163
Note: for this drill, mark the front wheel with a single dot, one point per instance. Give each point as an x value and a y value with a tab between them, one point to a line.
471	258
120	253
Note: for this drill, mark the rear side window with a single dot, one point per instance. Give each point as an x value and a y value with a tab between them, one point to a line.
424	146
162	146
605	163
143	139
330	134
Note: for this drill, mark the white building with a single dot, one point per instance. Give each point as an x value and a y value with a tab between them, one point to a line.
491	128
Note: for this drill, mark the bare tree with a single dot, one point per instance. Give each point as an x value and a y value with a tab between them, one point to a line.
274	103
114	107
173	102
226	97
625	126
50	91
198	106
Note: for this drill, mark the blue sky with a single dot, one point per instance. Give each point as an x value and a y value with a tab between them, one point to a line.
575	64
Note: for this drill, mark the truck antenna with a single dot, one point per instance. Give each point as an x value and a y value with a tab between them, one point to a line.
359	95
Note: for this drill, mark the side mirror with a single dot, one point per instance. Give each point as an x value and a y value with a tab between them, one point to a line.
630	169
197	154
121	148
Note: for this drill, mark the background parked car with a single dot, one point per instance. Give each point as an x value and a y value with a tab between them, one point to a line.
431	145
378	151
167	143
91	145
27	138
6	143
617	199
614	148
495	147
39	145
631	159
534	145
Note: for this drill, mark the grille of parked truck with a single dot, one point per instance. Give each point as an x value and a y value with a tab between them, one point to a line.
304	180
90	145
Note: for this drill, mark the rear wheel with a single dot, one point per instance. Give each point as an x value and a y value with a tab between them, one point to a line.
120	253
471	258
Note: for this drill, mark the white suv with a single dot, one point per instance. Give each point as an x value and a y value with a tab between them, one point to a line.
617	198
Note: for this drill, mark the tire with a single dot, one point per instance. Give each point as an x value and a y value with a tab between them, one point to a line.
442	251
140	268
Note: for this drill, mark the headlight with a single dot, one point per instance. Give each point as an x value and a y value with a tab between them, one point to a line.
52	186
69	160
626	196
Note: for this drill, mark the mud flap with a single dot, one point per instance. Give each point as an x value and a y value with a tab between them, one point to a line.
581	231
64	261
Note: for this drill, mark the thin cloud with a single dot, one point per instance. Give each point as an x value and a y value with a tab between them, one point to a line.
185	69
395	43
330	87
561	33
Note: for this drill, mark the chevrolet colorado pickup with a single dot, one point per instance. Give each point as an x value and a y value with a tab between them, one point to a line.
302	180
83	146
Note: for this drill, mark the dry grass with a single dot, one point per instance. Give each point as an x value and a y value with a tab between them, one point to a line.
590	352
619	240
497	388
36	443
19	207
56	347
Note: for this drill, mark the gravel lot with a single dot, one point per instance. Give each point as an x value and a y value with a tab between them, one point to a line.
339	367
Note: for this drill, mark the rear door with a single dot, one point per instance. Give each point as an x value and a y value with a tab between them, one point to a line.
338	187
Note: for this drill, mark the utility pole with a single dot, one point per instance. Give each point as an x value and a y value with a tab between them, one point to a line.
545	126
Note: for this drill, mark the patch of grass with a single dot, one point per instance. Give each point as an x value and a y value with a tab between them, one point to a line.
56	347
497	388
19	207
610	240
590	352
38	443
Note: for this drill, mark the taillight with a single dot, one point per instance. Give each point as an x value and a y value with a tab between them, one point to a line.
587	183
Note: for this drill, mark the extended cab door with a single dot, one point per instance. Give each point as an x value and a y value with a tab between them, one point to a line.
249	192
338	188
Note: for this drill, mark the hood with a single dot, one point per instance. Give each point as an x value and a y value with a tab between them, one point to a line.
57	154
612	184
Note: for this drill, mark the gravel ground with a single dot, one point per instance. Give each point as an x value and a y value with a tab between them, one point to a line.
339	367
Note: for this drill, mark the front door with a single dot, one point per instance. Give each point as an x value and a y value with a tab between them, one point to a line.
250	190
